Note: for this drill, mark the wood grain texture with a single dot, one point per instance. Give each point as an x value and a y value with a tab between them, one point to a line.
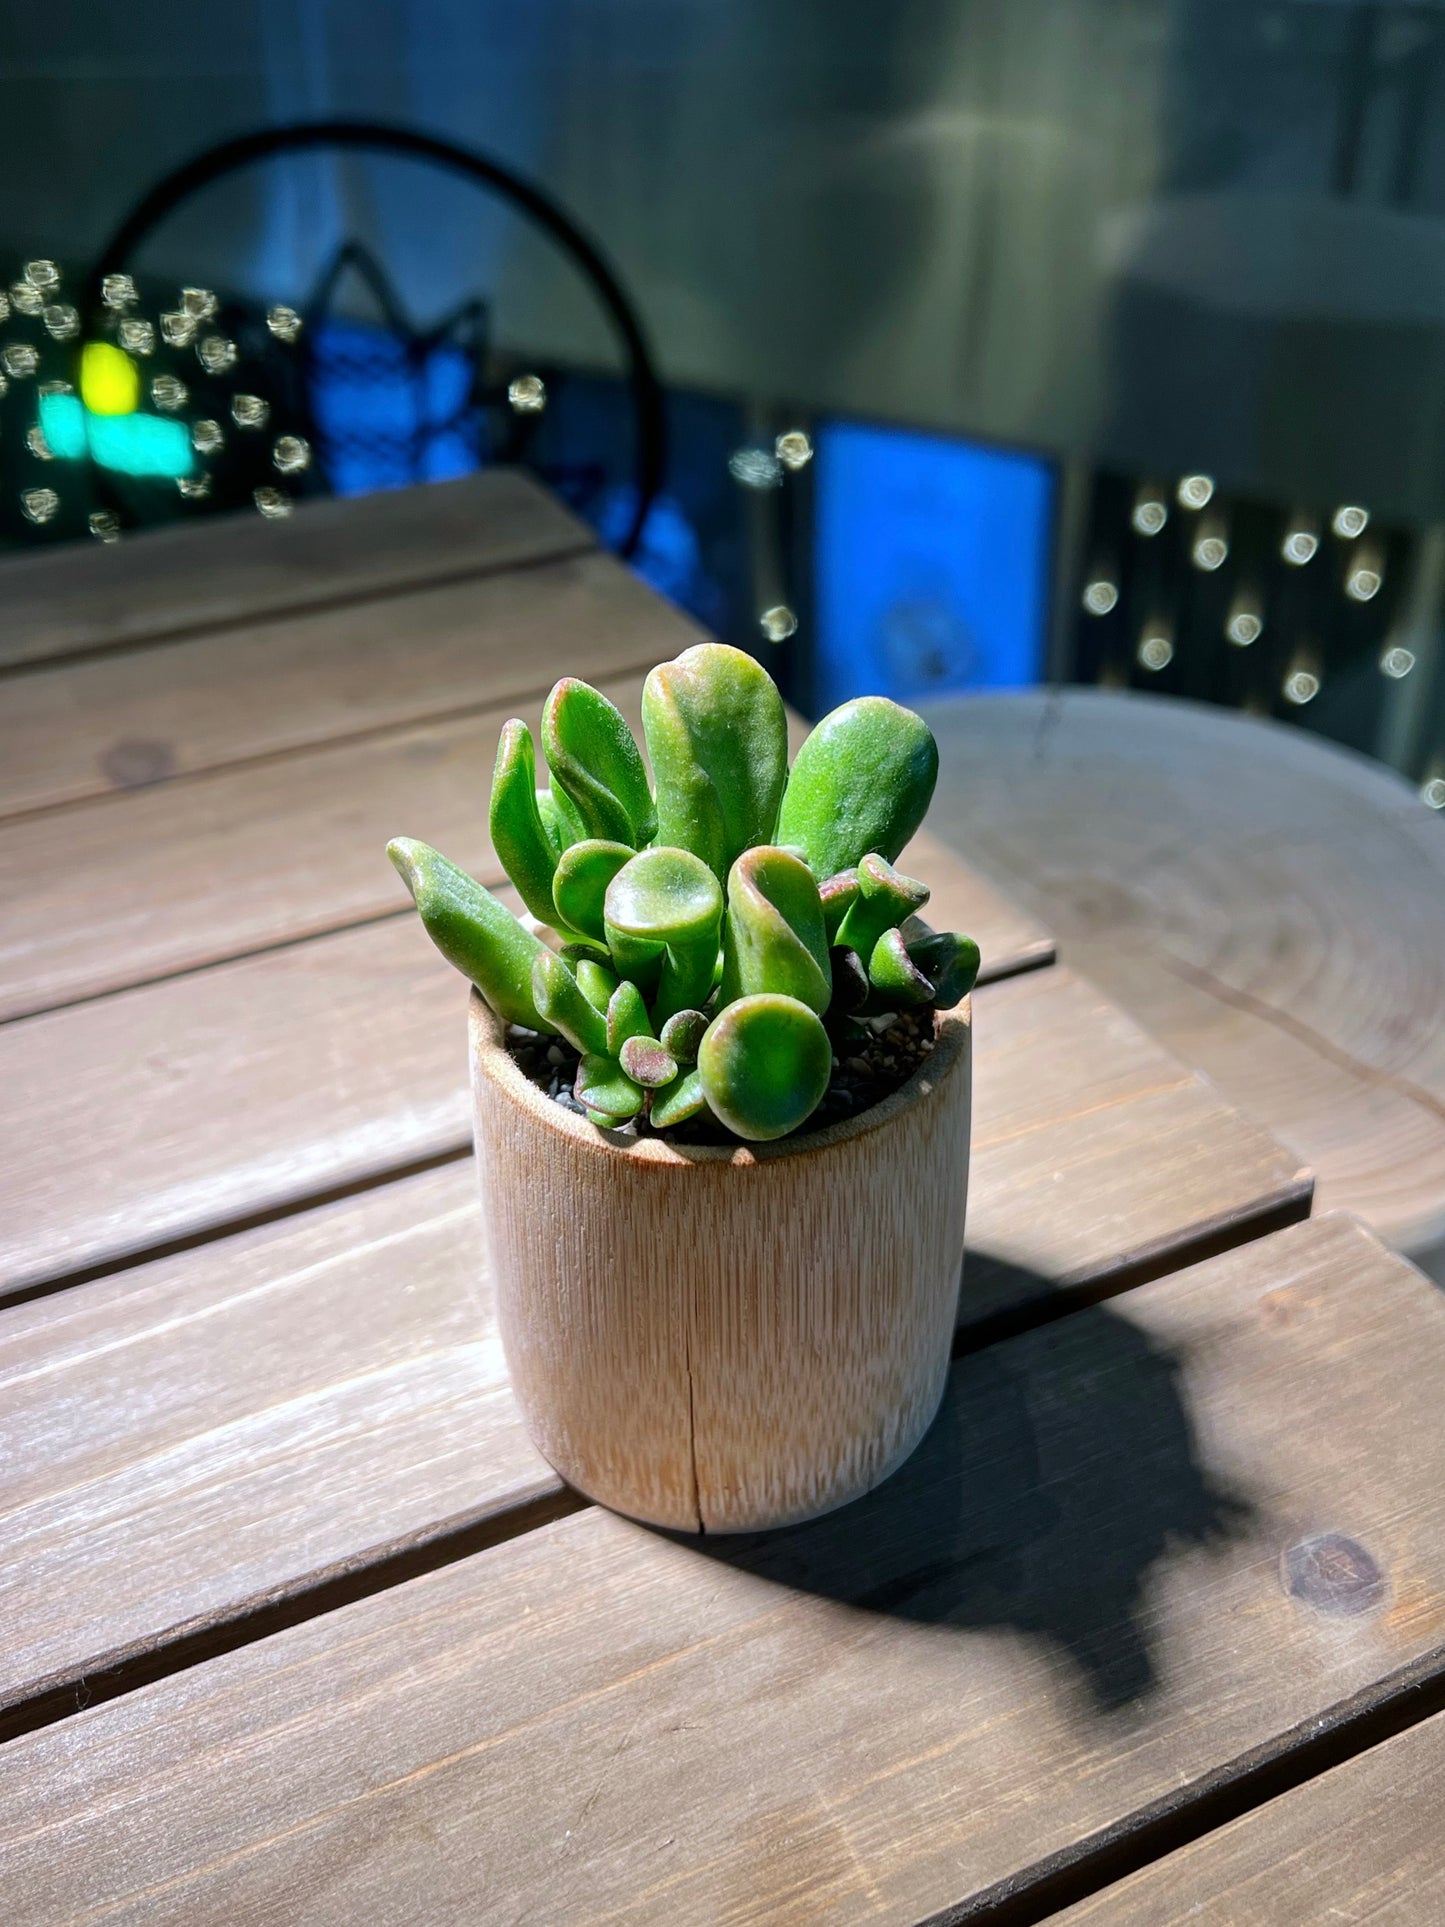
173	581
1270	907
172	1110
1091	1593
215	1432
119	1399
725	1339
1360	1843
137	716
128	889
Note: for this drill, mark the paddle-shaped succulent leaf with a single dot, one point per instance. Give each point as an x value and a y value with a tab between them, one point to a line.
885	897
564	1005
774	936
683	1032
579	884
521	840
606	1090
473	930
596	765
668	900
717	735
647	1063
764	1065
949	962
683	1098
862	782
559	820
838	895
710	952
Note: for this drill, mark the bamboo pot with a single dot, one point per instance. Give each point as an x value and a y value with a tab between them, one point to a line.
722	1339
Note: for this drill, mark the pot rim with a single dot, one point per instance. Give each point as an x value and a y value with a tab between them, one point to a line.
952	1030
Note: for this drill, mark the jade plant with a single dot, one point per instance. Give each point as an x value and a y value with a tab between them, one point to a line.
706	937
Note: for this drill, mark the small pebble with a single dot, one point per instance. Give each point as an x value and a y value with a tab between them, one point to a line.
555	1054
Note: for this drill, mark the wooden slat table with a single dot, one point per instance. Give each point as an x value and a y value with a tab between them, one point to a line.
287	1585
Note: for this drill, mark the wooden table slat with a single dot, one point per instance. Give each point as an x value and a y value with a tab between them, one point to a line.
224	569
332	1386
264	1083
123	720
1359	1843
1089	1595
1270	905
224	1429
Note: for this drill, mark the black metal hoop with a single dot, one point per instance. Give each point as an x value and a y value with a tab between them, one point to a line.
228	156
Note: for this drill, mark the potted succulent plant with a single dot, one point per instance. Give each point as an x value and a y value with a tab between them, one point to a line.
721	1094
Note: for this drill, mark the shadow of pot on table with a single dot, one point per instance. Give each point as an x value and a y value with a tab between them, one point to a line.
1057	1474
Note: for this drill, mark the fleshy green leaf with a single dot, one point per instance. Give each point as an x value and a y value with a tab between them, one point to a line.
579	885
774	937
839	894
885	897
519	836
604	1087
949	961
718	739
596	764
682	1099
626	1017
475	932
862	782
668	899
896	979
596	982
683	1032
647	1063
559	820
559	997
764	1065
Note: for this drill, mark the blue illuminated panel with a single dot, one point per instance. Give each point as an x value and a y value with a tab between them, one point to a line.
932	561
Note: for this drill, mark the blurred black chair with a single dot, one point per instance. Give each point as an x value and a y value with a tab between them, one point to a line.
291	380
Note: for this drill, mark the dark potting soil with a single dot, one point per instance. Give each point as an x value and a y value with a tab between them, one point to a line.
873	1057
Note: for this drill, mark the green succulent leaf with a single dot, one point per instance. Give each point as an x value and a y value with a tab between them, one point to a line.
718	739
764	1065
896	979
579	884
519	836
596	765
647	1063
682	1099
775	937
949	961
885	897
839	894
862	782
626	1017
559	820
473	930
560	998
596	982
668	902
682	1033
606	1090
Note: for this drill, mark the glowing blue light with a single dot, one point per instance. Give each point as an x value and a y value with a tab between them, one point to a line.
932	561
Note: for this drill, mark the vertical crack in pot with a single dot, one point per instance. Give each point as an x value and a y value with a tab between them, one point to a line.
692	1425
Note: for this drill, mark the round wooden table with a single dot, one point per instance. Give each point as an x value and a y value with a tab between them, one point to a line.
1271	907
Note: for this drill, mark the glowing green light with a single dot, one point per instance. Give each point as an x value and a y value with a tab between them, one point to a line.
131	444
